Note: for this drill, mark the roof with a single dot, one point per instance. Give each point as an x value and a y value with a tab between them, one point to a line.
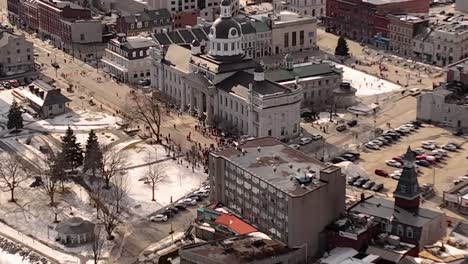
383	2
408	187
138	43
199	34
283	17
235	224
239	84
303	71
128	7
223	26
148	15
223	63
276	163
5	37
74	226
260	26
178	57
43	94
386	209
247	28
239	249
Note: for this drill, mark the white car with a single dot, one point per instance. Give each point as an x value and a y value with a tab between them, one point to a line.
393	163
316	136
188	201
419	151
428	146
449	147
204	193
158	218
396	174
377	142
372	146
305	140
295	146
442	152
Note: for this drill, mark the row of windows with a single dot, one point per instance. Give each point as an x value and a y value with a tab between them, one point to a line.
145	24
293	38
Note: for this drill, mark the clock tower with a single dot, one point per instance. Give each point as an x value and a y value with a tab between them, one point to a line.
407	193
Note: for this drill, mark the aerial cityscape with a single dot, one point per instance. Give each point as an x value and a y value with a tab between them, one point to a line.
233	131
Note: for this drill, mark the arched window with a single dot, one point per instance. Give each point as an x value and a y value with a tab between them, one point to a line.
313	12
409	232
400	231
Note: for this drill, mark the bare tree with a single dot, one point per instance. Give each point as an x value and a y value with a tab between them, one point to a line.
120	190
109	214
97	243
155	174
49	185
148	110
12	174
111	163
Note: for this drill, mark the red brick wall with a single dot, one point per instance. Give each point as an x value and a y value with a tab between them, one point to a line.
414	6
183	19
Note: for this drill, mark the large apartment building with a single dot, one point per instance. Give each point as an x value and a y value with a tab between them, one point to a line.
67	25
314	8
16	55
281	191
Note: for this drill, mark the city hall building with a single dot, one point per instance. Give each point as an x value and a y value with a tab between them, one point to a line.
225	87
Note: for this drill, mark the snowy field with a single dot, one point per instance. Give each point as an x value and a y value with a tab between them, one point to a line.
366	84
104	138
180	179
82	120
29	152
6	258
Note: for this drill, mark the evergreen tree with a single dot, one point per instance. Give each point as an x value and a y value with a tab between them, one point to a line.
71	154
342	47
15	118
93	153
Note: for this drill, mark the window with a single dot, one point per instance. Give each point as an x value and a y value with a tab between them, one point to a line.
141	52
18	51
29	57
218	45
135	75
134	54
400	230
132	26
286	40
293	39
225	46
301	37
283	129
50	108
269	132
409	232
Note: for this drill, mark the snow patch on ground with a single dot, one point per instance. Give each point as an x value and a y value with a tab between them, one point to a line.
366	84
104	138
29	152
324	117
180	179
82	120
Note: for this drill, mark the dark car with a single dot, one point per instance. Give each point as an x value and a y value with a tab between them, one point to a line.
377	187
195	196
341	128
349	157
354	153
423	163
352	123
180	207
368	185
167	212
352	179
338	160
416	123
360	182
144	82
173	209
381	172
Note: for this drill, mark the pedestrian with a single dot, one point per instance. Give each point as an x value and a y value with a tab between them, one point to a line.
174	126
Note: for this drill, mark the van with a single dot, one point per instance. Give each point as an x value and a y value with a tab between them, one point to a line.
415	91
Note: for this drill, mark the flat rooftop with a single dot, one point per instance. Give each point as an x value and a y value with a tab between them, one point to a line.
239	249
454	28
278	164
283	16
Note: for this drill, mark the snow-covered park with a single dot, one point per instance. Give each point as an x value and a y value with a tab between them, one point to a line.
32	215
366	84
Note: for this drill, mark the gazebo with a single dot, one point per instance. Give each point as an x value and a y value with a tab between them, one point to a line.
75	231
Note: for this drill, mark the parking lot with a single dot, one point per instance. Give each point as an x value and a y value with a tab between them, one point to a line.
441	173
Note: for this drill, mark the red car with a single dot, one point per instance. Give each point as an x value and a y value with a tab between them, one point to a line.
421	157
14	83
381	173
398	159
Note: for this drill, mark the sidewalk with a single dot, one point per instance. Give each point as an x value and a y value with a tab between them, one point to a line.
37	246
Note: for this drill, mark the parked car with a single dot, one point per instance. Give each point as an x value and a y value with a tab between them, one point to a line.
371	145
419	151
295	146
316	137
349	157
159	218
377	142
396	174
368	185
188	201
195	197
305	140
351	179
167	212
203	193
388	138
458	146
428	146
341	128
423	163
383	140
399	159
15	83
449	147
381	172
377	187
354	153
359	182
173	209
352	123
180	206
6	84
393	163
431	159
144	82
442	152
338	160
416	123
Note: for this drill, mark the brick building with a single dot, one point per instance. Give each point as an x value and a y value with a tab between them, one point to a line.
149	21
363	20
402	29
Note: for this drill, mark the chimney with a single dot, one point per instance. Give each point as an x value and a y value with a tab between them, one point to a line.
259	74
41	95
195	47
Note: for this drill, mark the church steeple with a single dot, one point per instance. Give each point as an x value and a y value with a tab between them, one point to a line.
407	193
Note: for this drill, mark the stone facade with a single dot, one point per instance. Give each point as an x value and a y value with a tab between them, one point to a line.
16	56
